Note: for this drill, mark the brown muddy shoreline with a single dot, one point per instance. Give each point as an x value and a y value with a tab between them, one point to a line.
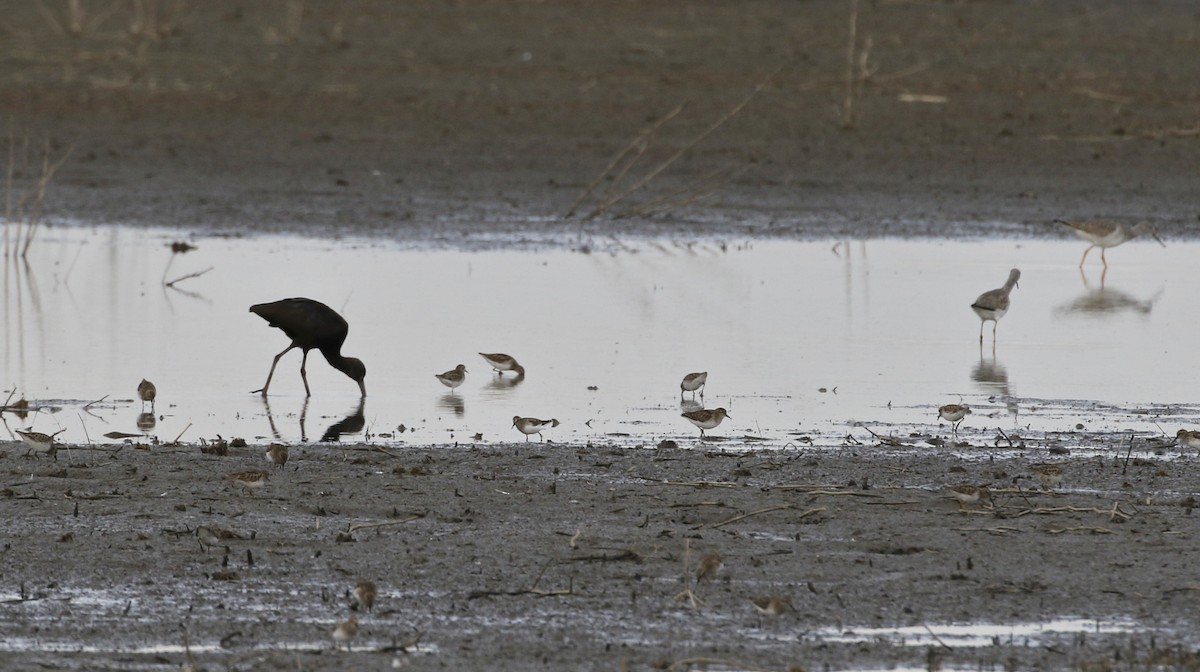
550	556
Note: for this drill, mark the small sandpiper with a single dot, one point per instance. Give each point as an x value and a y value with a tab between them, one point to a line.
529	426
453	379
501	362
39	442
968	494
1191	439
692	382
345	631
706	419
771	607
253	479
277	454
708	567
1048	474
954	413
365	593
993	304
1105	233
147	392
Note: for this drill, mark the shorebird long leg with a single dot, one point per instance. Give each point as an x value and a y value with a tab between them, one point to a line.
266	385
1085	253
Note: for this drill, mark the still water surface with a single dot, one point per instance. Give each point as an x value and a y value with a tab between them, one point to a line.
883	326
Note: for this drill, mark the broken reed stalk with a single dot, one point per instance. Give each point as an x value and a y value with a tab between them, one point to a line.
689	194
15	210
612	200
638	142
851	48
189	275
48	171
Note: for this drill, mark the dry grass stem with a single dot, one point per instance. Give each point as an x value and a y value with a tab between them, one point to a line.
646	179
639	143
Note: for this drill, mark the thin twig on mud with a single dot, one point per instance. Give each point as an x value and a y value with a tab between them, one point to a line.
351	528
999	530
688	194
735	664
1112	513
612	200
777	507
849	493
688	505
935	637
531	590
1079	528
625	554
885	440
687	591
93	403
690	484
188	276
1128	453
176	441
638	142
851	49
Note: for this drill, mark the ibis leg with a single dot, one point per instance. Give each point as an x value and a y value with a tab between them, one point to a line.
272	372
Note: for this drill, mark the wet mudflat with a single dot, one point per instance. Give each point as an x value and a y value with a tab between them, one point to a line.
558	556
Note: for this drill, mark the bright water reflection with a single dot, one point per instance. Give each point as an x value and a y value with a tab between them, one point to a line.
883	326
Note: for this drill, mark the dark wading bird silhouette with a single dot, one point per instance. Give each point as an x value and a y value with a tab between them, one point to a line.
311	324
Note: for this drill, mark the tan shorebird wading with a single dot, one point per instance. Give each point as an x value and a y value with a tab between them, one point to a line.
1105	233
692	382
528	426
147	392
706	419
454	377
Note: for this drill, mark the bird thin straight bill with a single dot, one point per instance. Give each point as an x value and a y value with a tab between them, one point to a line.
993	304
311	324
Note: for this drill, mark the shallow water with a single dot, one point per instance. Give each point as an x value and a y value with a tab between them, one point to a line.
799	338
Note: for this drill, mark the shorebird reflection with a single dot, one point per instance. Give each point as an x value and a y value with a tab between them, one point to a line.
452	402
992	377
1105	301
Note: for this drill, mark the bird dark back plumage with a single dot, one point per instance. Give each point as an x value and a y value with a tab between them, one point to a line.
310	324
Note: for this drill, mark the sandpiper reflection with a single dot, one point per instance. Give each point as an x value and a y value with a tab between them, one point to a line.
1105	300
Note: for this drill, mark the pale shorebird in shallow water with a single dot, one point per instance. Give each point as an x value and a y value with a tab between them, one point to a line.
706	419
529	426
692	382
1105	233
453	378
501	362
1191	439
39	442
993	304
954	413
147	392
